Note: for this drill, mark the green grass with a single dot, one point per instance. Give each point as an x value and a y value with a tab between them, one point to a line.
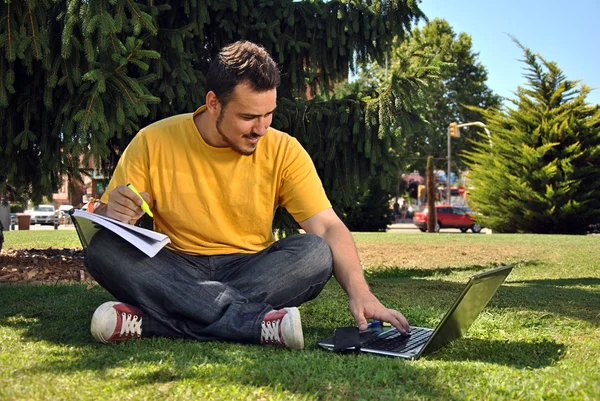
41	239
538	339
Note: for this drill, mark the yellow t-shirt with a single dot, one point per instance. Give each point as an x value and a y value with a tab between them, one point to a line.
214	201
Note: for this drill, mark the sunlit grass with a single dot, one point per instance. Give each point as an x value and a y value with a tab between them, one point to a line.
28	239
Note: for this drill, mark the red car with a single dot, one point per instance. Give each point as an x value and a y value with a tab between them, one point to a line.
448	217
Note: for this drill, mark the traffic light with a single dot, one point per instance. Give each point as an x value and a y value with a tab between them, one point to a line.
453	127
421	192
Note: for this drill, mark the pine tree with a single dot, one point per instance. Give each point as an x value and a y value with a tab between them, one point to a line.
540	172
371	213
67	86
81	77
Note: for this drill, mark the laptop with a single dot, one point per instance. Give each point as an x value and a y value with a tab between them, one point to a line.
421	340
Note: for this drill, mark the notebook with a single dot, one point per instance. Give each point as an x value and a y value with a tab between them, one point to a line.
469	304
88	224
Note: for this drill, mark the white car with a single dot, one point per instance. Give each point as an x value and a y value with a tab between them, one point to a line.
42	214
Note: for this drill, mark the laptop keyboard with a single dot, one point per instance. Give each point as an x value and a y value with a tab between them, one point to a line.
395	341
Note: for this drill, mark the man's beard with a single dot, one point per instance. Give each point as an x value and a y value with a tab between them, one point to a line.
232	145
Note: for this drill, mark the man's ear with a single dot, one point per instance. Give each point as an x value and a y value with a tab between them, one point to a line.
213	106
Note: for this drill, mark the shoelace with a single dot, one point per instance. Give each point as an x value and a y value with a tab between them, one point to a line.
270	332
130	325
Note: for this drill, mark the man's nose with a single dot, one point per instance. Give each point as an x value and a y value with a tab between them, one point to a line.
260	128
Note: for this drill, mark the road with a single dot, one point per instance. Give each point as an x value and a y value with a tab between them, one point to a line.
41	227
409	228
400	228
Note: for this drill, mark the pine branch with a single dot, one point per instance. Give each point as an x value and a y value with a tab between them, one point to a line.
11	55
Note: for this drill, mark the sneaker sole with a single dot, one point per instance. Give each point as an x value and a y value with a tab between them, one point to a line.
98	319
294	325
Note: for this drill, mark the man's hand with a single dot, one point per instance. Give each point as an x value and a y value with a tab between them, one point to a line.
367	306
123	204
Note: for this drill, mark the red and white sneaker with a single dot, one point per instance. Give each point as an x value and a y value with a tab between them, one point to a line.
116	321
283	327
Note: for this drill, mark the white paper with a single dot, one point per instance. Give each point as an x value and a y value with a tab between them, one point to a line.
147	241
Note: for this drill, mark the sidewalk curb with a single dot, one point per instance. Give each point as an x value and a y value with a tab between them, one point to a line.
402	226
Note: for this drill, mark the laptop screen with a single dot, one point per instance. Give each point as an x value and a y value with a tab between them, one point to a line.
476	295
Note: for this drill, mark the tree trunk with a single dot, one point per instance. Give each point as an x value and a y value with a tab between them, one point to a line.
431	216
1	235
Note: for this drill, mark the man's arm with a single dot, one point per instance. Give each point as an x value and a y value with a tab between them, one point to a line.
348	271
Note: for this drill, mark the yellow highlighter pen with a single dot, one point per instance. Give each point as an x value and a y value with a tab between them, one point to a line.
144	205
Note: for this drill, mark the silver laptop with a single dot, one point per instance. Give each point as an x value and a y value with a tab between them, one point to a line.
473	299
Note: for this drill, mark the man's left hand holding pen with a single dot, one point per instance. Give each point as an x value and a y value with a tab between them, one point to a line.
125	204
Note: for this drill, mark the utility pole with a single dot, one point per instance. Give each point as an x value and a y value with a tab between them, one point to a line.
454	132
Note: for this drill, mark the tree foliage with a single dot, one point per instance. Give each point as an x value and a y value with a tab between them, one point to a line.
461	83
371	212
80	77
540	173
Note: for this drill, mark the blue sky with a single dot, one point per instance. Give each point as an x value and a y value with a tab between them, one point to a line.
567	32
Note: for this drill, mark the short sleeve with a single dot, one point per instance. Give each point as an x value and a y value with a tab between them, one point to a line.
301	192
132	168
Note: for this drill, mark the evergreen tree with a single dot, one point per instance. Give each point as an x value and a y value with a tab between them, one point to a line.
540	172
80	77
461	83
73	75
371	213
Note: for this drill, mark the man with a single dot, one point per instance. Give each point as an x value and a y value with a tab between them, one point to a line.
213	179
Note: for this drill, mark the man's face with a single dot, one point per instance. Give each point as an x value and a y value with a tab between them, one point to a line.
245	118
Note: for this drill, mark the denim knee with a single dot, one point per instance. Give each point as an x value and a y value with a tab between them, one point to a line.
94	252
317	252
106	250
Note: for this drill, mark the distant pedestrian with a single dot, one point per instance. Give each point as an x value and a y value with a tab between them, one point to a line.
404	211
396	212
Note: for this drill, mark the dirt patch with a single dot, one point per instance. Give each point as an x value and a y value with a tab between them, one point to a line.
431	256
36	266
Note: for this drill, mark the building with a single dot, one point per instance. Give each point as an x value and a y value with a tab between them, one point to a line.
77	193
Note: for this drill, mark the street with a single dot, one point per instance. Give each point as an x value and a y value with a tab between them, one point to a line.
398	228
410	228
41	227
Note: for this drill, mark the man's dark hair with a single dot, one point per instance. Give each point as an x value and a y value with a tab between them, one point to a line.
241	62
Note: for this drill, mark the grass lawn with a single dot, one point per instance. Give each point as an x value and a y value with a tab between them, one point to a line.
538	339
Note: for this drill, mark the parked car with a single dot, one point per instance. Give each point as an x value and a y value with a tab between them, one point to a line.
42	214
448	217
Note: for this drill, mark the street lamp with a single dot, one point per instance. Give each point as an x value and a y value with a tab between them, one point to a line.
454	131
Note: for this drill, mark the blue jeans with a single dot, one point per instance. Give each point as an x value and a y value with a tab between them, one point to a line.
223	297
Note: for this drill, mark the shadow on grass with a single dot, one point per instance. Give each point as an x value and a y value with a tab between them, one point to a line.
562	282
518	354
397	272
319	374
